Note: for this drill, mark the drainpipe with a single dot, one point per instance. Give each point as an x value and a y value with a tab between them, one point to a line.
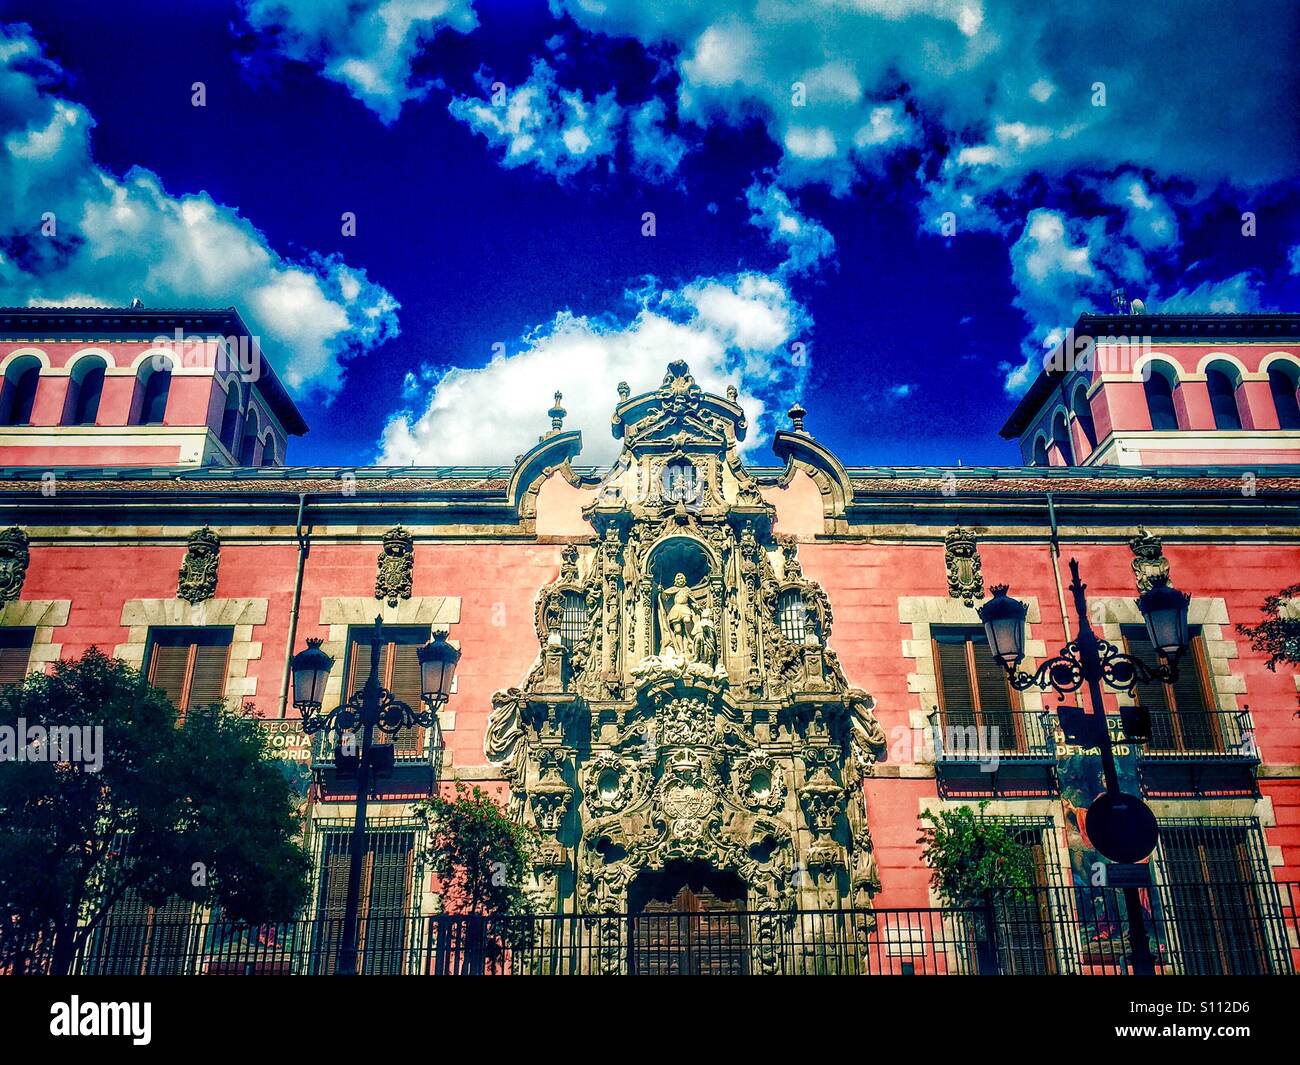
303	544
1054	550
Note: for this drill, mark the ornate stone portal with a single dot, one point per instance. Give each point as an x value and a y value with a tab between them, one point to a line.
685	705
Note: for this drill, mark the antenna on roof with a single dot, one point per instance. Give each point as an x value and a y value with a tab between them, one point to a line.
1119	300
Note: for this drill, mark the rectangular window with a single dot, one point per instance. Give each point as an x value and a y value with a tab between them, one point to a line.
384	902
1026	929
15	653
1218	890
189	664
399	672
136	939
1182	713
973	691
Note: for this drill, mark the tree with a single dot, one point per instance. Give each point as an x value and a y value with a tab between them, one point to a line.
479	854
122	794
1278	635
974	857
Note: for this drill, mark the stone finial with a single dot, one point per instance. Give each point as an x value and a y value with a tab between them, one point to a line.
797	415
733	393
557	413
623	390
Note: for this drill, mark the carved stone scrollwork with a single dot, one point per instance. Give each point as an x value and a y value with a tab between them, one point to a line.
961	555
759	782
198	576
395	566
682	655
14	557
1149	563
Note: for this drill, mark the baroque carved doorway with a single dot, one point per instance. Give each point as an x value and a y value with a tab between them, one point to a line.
688	920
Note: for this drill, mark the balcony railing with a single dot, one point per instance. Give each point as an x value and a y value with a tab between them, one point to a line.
1199	752
1050	931
417	761
995	752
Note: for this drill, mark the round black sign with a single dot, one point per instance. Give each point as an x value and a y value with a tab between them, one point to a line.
1122	827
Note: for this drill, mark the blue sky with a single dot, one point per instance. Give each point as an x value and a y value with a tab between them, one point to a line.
884	208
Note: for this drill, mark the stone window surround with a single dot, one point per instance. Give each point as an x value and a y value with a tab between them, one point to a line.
338	614
241	615
43	616
923	612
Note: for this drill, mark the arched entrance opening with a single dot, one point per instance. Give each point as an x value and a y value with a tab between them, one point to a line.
688	919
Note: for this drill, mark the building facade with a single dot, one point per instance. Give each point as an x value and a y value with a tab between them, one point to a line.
712	687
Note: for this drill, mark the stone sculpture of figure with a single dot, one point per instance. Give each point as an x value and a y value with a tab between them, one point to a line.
678	617
706	640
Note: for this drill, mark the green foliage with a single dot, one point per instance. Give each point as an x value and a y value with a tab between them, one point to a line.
198	808
480	856
974	857
1278	635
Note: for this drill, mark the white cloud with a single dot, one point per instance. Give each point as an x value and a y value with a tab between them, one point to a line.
731	331
561	132
369	46
539	124
805	241
120	238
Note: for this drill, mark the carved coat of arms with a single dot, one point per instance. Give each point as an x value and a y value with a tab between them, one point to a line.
13	563
395	565
198	576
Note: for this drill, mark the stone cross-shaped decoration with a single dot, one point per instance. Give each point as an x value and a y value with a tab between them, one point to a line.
197	581
395	565
1149	562
965	580
13	563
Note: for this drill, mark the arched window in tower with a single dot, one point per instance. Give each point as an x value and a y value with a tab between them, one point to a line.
792	615
85	386
18	392
573	618
230	417
248	447
153	385
1284	382
1220	379
268	452
1159	388
1040	451
1083	416
1061	438
681	482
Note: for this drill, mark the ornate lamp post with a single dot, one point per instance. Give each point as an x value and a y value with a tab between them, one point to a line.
1126	827
370	708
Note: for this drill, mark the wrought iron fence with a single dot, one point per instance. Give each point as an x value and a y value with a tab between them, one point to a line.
1059	930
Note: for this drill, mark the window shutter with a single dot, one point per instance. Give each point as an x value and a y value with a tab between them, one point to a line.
168	671
404	683
208	679
15	651
995	698
956	699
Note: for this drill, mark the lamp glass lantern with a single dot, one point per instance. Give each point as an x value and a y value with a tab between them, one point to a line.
311	669
437	669
1164	609
1004	626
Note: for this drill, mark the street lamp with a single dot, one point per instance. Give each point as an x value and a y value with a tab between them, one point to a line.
373	707
1126	829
